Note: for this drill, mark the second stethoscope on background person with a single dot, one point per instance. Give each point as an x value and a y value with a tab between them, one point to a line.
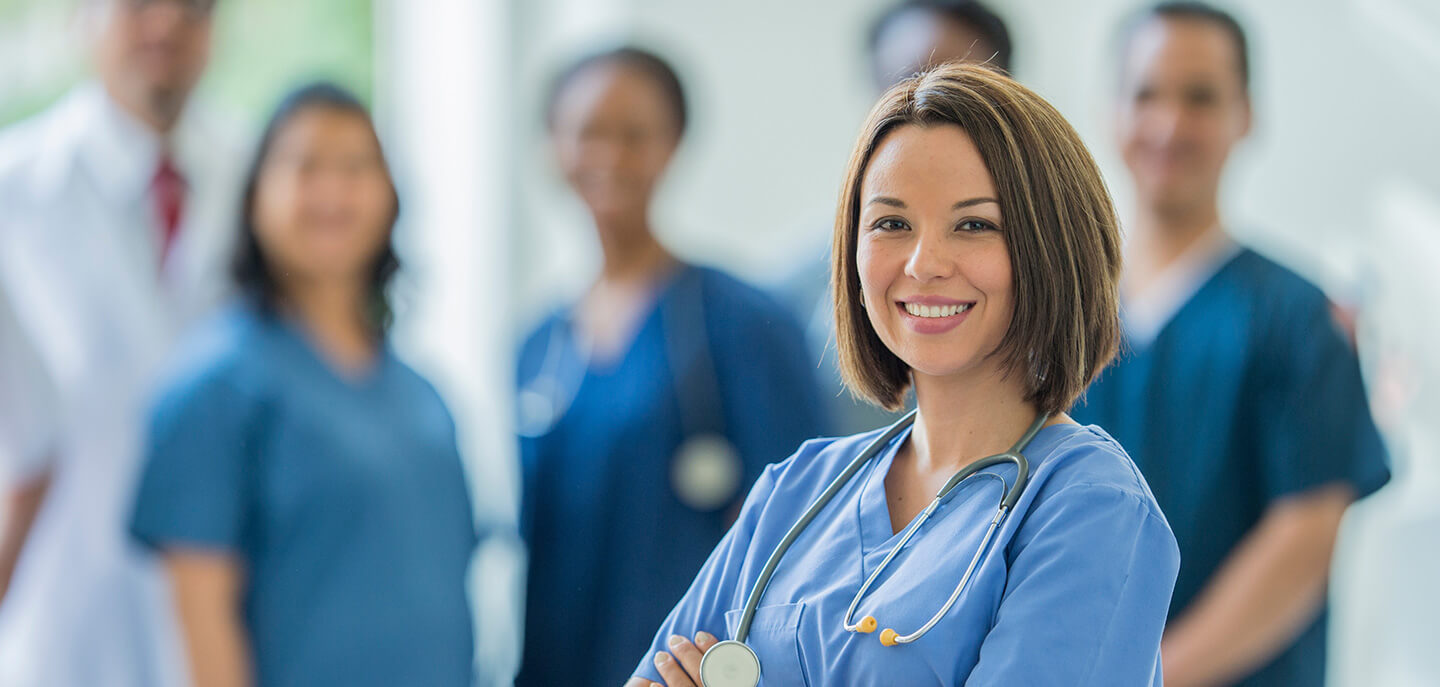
732	663
706	471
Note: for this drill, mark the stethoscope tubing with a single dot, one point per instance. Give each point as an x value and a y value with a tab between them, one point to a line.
747	616
1012	496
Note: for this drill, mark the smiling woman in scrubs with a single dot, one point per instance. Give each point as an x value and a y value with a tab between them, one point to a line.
976	259
303	486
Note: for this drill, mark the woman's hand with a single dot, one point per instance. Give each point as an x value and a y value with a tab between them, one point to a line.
680	667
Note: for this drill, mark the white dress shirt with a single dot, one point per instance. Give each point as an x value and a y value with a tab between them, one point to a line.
80	248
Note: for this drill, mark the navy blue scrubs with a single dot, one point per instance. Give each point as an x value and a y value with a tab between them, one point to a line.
1247	395
612	545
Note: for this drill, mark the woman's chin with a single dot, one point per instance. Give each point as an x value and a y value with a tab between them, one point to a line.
616	212
338	271
946	366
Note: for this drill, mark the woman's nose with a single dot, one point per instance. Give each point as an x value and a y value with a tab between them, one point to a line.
929	258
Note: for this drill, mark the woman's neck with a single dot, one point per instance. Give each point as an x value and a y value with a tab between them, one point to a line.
965	418
632	255
613	308
333	315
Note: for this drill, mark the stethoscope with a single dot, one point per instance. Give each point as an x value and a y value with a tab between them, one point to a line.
732	663
706	471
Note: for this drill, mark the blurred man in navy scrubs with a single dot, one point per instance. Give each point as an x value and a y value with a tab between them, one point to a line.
1238	397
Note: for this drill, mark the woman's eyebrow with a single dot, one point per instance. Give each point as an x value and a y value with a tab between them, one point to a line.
887	200
974	201
896	202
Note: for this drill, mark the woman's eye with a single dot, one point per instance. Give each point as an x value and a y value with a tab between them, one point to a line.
975	226
890	225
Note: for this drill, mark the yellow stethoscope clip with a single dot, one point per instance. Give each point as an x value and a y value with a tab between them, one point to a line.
868	625
1011	494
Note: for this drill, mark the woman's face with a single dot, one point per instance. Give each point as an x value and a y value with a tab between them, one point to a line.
614	132
324	200
934	268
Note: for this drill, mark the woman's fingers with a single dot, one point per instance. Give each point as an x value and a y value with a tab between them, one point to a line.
671	670
680	667
705	640
688	655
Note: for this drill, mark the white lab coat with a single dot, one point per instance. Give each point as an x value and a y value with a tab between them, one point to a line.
80	261
28	417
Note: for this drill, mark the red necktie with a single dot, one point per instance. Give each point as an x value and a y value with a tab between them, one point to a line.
169	203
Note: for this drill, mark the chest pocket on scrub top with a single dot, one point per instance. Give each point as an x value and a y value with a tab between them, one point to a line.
775	638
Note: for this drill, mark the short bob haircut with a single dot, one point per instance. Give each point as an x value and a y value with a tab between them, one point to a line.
251	269
1060	230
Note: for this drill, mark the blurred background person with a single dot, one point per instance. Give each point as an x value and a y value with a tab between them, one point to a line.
907	38
116	202
649	406
912	36
1239	398
302	485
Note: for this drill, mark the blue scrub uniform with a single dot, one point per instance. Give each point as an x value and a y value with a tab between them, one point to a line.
344	501
612	544
1073	591
1247	395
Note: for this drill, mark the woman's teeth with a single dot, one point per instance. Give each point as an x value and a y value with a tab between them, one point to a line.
936	310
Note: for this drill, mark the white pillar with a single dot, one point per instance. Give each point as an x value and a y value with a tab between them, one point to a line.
442	79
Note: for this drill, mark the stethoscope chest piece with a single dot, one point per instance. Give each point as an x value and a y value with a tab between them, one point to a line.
706	472
730	664
535	412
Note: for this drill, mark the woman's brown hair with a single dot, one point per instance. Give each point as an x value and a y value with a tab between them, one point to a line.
1059	225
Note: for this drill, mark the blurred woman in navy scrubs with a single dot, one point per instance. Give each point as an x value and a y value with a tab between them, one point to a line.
648	407
303	486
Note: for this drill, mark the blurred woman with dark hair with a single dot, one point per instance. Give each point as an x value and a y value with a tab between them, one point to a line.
303	486
647	407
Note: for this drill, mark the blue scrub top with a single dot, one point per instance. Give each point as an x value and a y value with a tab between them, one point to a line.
1247	395
612	546
343	499
1074	590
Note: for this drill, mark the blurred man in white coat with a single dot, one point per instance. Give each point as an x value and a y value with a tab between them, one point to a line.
118	203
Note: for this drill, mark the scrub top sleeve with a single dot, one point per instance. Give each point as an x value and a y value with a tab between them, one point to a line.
196	486
773	394
717	589
1315	425
29	408
1091	571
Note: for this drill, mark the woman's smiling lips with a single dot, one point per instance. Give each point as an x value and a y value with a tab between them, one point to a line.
933	314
